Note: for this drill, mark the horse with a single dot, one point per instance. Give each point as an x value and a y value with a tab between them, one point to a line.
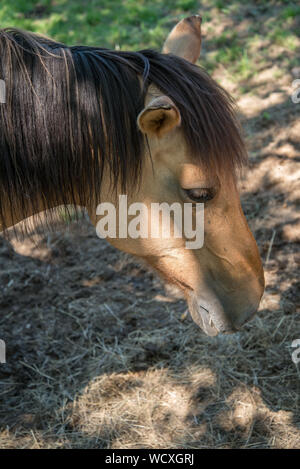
81	125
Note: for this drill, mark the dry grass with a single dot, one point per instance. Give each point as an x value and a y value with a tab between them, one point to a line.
98	357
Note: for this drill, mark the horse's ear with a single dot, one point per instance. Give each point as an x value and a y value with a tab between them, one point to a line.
159	117
185	39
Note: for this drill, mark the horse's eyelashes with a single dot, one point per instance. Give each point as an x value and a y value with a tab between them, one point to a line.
200	195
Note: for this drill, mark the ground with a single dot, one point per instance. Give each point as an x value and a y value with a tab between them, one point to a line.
99	354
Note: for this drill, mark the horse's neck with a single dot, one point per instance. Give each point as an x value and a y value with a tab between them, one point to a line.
12	218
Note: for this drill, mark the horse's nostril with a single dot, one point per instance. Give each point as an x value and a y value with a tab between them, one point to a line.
244	318
228	330
248	318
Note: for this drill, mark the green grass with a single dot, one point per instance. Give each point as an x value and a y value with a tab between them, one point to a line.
291	11
131	24
138	24
283	38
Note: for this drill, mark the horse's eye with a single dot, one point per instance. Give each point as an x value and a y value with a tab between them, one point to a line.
200	195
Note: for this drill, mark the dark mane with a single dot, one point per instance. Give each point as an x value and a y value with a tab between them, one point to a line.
71	111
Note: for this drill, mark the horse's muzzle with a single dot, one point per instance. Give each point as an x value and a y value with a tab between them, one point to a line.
213	319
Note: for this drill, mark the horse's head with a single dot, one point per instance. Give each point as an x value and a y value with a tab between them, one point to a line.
123	115
222	280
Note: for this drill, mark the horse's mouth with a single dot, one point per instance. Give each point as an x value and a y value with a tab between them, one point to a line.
206	319
201	316
203	319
